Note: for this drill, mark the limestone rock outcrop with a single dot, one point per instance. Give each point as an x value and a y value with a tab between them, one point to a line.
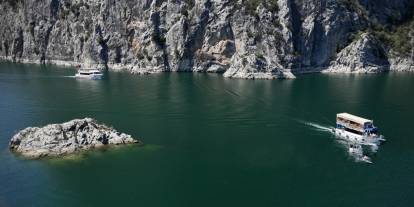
239	38
364	55
67	138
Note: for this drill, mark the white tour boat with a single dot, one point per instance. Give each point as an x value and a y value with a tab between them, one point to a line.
93	74
357	129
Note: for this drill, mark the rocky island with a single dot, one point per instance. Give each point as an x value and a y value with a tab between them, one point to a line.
67	138
263	39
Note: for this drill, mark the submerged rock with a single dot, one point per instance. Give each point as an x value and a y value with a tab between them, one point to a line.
70	137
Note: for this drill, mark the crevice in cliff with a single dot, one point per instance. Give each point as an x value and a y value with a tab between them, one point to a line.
103	52
194	40
317	41
54	8
296	34
45	43
6	48
18	45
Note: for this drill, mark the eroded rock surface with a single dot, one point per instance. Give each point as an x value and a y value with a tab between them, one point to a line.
364	55
66	138
239	38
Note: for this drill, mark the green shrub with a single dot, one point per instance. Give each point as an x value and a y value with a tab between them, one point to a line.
100	40
398	39
259	55
355	6
251	5
190	4
12	3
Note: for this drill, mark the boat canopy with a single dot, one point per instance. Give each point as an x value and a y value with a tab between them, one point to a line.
355	119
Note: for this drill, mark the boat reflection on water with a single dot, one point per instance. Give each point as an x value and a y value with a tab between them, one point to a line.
356	151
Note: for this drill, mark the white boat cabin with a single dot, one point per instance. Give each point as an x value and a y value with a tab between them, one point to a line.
355	124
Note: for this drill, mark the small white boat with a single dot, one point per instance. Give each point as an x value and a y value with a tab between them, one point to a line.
93	74
357	129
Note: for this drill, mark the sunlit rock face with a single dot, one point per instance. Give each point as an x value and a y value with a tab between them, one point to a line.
364	55
239	38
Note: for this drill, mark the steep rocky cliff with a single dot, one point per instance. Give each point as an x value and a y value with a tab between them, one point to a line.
240	38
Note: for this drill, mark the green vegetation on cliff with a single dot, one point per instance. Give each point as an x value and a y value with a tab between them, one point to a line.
399	39
12	3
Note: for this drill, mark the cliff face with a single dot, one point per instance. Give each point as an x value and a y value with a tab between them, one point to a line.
364	55
240	38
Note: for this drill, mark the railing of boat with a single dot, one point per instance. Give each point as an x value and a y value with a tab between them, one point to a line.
351	126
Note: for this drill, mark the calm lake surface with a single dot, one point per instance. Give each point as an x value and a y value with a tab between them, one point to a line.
210	141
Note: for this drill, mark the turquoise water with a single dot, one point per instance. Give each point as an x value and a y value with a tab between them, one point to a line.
210	141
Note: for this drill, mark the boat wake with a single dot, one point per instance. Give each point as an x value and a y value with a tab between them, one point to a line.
349	145
317	127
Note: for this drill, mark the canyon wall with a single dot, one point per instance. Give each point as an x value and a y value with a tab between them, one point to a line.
239	38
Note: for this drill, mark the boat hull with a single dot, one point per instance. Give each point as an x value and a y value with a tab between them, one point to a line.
92	76
343	134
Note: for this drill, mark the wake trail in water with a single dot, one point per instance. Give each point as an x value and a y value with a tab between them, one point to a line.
32	77
319	127
316	126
